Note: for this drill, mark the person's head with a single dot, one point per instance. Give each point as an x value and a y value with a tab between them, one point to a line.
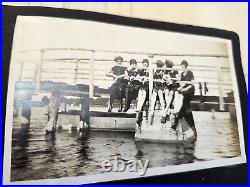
159	64
184	64
169	64
118	60
145	62
133	63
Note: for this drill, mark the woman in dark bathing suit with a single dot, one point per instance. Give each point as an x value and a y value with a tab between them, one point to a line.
185	93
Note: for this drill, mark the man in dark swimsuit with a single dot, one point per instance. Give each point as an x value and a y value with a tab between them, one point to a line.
117	89
186	92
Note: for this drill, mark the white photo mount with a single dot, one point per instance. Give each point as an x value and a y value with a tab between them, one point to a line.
206	44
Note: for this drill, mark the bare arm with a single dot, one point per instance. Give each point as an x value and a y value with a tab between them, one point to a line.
110	73
186	89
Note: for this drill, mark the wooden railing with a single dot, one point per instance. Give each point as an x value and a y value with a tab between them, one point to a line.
89	69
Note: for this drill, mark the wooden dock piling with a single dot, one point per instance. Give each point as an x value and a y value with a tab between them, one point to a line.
53	109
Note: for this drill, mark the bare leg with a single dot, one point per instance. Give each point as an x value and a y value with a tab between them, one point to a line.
141	99
178	102
152	106
110	104
169	99
166	91
152	101
162	102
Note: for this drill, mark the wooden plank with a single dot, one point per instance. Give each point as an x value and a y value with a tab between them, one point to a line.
112	123
132	52
112	114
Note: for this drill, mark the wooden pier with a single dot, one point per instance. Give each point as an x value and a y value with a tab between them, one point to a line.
53	77
115	121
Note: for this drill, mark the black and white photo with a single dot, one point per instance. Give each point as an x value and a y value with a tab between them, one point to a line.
90	101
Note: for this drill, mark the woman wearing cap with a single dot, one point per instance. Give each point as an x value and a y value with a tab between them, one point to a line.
169	88
118	71
143	94
157	88
183	96
117	90
143	91
133	83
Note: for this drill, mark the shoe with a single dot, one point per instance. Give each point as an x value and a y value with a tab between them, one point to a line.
125	110
174	127
120	110
167	117
163	119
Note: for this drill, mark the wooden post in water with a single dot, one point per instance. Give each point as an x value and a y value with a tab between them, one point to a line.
53	109
85	109
91	78
221	99
39	72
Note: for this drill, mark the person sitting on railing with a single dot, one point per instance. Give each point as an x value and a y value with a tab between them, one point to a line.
118	71
170	87
143	94
143	91
117	89
157	89
133	85
183	96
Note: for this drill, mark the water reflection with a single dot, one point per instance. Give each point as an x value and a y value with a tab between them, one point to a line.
39	156
165	154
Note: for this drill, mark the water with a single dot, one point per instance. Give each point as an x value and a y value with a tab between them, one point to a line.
39	156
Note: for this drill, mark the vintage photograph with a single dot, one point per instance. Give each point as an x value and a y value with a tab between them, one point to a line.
88	98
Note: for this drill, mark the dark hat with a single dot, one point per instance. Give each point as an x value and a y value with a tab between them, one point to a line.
169	63
184	62
145	61
159	63
132	61
118	58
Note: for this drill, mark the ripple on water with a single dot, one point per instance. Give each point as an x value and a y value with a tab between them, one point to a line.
37	156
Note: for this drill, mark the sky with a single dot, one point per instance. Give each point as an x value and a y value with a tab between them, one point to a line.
35	33
45	32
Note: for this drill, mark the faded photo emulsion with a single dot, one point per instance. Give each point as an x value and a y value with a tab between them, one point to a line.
91	101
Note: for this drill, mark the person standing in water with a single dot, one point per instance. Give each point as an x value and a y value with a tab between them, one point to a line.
183	96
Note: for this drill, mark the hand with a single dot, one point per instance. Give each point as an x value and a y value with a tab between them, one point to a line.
179	89
116	78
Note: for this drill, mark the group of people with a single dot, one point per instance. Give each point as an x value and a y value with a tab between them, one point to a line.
174	90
